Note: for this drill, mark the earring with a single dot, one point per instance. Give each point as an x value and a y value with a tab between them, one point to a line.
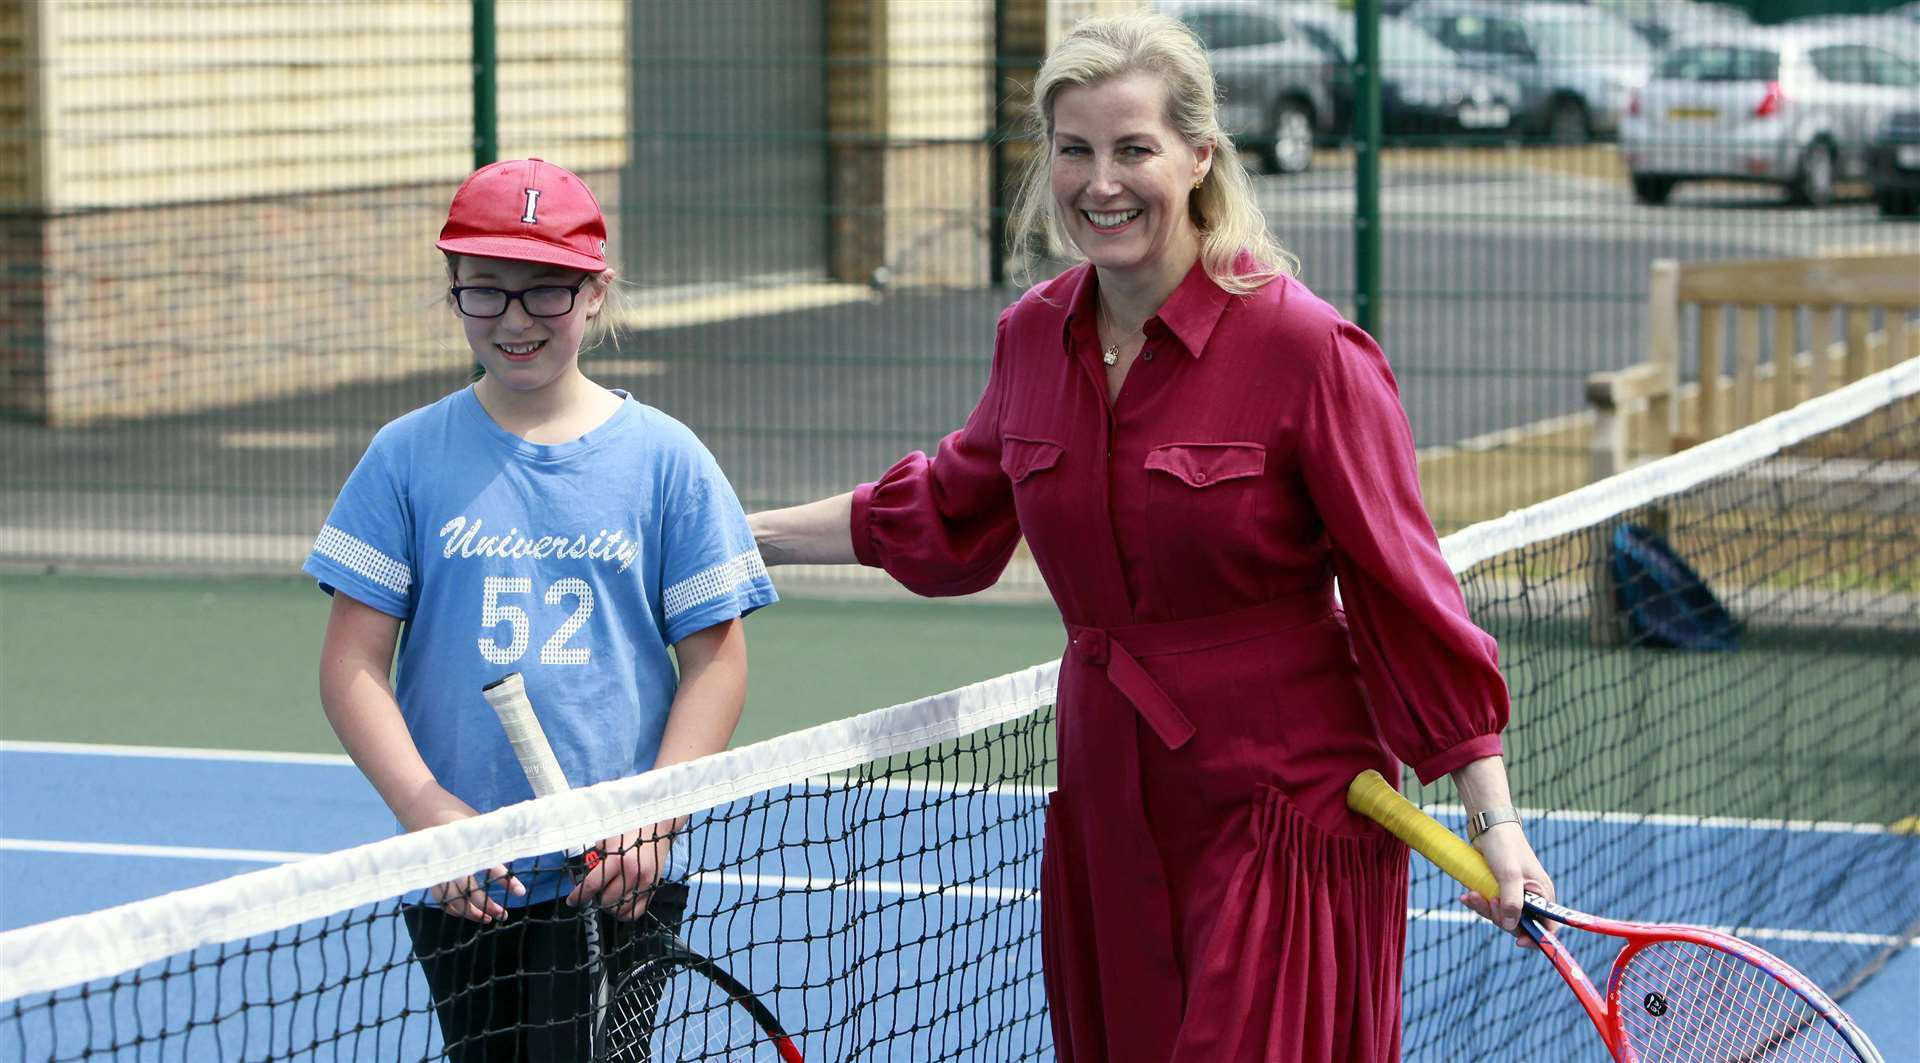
1197	182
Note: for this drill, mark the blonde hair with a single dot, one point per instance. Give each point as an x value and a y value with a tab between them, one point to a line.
602	326
1223	208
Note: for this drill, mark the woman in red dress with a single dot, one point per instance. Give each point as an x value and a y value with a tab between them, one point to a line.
1196	448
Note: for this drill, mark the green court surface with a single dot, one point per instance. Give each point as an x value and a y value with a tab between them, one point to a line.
1798	721
232	663
1824	722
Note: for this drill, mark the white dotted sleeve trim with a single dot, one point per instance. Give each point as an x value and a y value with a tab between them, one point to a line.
363	558
719	581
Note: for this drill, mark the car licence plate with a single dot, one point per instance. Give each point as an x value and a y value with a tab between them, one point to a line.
1908	156
1487	117
1693	114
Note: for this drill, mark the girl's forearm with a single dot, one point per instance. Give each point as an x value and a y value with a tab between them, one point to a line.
355	660
713	691
367	720
816	533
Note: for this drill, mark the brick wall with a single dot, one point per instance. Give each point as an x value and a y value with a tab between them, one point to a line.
223	200
165	309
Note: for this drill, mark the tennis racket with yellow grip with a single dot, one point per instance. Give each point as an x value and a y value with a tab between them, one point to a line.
1676	993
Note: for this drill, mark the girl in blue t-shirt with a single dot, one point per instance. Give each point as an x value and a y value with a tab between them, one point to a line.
538	523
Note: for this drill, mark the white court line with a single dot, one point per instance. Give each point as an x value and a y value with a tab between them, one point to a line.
174	753
1657	819
879	887
1024	791
162	852
1749	933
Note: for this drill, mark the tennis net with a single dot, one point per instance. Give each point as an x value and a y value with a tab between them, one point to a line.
1727	741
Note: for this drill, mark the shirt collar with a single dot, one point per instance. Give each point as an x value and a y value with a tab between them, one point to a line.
1190	313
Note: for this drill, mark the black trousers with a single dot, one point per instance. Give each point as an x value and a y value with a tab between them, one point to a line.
517	991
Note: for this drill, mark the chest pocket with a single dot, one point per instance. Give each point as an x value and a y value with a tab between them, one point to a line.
1202	465
1021	456
1205	497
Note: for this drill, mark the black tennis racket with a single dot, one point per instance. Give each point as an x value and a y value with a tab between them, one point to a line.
675	1004
680	1005
508	696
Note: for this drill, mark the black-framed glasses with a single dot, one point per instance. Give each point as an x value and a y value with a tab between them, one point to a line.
547	300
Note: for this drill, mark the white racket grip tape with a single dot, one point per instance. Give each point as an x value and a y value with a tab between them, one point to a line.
508	696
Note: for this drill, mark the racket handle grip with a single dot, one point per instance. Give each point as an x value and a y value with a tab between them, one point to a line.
1373	797
586	861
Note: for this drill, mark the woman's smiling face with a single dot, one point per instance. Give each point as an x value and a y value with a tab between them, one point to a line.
1122	175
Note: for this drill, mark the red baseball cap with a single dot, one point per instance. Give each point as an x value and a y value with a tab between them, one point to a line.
528	210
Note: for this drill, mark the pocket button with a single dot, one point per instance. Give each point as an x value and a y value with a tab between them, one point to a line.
1200	476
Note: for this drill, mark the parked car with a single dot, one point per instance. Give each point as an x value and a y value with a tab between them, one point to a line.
1888	29
1660	21
1276	86
1893	163
1424	87
1789	106
1576	65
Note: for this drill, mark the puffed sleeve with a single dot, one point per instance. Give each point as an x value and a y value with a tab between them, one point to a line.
944	525
1432	676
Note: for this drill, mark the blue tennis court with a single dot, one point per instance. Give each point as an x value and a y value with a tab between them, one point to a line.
90	827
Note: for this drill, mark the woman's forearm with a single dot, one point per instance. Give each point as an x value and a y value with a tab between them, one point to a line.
816	533
1483	784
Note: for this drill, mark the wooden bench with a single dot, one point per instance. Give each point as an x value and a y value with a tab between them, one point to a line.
1648	411
1726	351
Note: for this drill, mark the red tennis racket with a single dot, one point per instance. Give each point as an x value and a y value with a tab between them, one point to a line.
1676	993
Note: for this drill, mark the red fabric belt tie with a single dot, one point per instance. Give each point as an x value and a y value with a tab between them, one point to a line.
1127	899
1117	650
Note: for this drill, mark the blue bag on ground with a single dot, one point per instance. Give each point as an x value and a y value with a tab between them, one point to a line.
1665	602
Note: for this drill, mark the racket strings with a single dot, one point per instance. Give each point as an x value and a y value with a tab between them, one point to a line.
1682	1001
680	1014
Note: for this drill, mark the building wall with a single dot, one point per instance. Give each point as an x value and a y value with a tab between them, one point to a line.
230	201
216	201
213	100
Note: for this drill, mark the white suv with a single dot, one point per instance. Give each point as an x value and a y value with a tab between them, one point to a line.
1792	107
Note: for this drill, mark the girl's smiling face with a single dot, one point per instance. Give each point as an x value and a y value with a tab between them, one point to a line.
518	350
1122	175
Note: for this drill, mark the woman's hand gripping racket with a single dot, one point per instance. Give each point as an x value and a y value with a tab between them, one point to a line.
675	1004
1675	992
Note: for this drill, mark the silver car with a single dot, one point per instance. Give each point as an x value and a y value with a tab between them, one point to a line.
1576	65
1275	83
1794	107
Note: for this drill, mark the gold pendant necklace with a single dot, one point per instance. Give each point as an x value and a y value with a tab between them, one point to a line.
1110	353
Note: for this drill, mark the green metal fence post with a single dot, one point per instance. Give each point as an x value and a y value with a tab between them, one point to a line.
1366	165
486	114
997	134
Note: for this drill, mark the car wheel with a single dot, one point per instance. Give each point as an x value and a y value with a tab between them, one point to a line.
1895	203
1291	149
1813	185
1653	191
1567	123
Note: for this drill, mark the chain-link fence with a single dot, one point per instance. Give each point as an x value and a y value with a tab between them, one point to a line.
219	216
